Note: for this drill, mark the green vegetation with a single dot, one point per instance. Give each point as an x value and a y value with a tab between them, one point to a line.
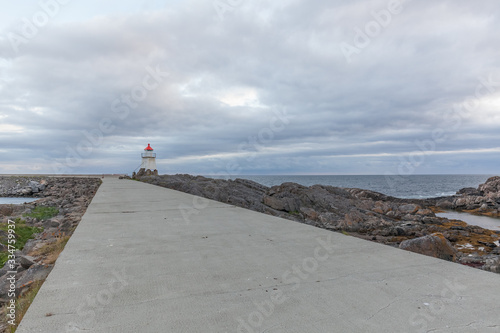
43	213
4	256
22	234
294	212
23	302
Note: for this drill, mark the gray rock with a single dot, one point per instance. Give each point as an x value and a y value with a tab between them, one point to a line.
35	186
435	245
309	213
6	210
409	209
54	223
492	185
36	272
274	203
26	261
432	220
444	204
425	212
469	191
30	245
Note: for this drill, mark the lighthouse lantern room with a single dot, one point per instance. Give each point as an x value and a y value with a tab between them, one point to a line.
148	165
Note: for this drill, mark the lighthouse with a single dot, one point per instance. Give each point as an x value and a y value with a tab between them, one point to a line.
148	165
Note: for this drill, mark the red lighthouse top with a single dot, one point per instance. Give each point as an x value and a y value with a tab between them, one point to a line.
148	148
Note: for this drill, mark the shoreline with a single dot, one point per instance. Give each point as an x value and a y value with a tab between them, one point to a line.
405	187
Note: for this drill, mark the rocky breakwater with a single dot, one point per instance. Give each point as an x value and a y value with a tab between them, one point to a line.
21	186
50	221
484	200
405	223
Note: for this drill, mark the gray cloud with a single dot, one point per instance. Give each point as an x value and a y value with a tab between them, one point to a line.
222	83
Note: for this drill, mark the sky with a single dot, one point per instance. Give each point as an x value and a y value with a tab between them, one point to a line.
235	87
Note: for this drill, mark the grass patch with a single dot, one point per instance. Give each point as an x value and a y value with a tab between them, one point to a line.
22	234
43	213
4	256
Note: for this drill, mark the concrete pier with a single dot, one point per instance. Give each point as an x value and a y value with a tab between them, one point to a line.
150	259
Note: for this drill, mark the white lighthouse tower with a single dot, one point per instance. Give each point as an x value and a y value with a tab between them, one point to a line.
148	166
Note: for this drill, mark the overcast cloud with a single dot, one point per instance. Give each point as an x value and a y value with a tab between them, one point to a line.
250	87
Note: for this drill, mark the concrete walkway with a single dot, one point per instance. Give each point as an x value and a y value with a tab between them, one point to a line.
149	259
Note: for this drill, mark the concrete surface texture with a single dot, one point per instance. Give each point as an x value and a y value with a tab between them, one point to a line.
150	259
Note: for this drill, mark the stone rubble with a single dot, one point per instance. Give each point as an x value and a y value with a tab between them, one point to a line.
485	200
70	195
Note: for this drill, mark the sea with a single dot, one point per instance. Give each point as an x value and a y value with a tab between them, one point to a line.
16	201
412	186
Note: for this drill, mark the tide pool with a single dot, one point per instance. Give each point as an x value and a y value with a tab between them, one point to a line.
482	221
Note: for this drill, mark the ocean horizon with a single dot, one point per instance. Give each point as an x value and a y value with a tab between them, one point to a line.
410	187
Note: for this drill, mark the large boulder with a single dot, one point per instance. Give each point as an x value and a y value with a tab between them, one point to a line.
435	245
492	185
274	203
6	210
483	200
26	261
409	208
469	191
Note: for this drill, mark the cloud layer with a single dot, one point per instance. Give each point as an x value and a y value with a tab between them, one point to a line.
255	87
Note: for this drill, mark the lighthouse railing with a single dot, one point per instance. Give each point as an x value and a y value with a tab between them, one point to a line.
151	155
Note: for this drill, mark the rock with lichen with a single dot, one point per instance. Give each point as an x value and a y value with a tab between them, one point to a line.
435	245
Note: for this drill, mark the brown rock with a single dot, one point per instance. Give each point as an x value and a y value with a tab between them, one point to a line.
6	210
409	208
425	212
309	213
274	203
435	245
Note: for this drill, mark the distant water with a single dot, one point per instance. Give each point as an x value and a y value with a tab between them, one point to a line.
482	221
16	201
414	186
